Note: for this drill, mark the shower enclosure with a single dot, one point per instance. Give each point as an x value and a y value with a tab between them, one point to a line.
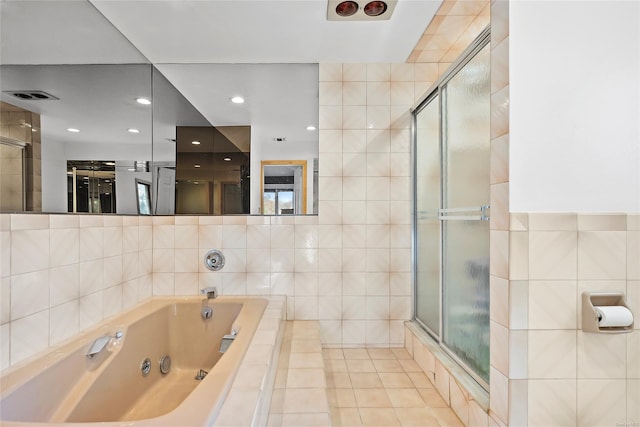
451	211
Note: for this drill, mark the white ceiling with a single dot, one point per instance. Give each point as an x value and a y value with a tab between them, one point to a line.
255	31
188	40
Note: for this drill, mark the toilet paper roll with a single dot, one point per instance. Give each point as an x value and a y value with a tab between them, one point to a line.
614	316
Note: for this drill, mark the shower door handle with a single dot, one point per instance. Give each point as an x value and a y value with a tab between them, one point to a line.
483	214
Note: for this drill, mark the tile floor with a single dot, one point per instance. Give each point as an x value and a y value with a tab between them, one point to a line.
351	387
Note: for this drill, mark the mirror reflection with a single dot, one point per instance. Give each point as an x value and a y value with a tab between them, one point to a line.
143	118
284	187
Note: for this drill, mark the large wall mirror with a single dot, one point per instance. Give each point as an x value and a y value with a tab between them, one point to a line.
95	129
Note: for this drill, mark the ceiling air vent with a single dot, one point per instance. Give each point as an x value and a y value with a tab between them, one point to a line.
32	95
360	10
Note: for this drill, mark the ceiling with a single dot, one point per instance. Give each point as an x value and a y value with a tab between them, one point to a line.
184	39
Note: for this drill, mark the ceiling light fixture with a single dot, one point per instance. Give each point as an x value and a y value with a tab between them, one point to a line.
360	10
195	142
74	130
375	8
237	100
143	101
196	166
132	130
227	159
346	8
311	127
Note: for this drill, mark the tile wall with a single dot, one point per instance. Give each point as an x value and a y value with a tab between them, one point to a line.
501	384
559	374
61	274
349	267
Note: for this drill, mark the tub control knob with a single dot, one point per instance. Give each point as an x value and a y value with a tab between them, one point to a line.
214	260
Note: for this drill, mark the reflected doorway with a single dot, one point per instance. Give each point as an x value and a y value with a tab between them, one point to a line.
284	187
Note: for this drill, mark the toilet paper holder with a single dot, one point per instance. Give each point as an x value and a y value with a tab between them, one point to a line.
591	318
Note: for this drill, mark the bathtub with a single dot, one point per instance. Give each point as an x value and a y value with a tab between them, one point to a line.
66	386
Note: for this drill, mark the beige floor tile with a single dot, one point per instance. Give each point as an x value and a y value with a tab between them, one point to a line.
341	397
416	417
306	378
384	417
420	380
372	398
355	353
305	360
332	353
405	398
338	380
446	417
365	380
306	420
305	400
277	401
387	365
360	365
432	398
306	346
380	353
275	420
345	417
401	354
409	365
335	365
395	380
281	378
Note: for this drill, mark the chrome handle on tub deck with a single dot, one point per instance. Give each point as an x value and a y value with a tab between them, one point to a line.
100	343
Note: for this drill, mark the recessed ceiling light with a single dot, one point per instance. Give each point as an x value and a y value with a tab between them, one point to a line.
143	101
196	182
227	159
195	142
74	130
132	130
196	166
311	127
110	163
237	100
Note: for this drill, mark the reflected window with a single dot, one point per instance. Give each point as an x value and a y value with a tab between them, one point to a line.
143	192
279	202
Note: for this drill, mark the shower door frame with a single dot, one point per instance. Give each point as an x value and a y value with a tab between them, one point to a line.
436	92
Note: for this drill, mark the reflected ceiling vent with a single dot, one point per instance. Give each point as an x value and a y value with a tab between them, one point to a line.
32	95
360	10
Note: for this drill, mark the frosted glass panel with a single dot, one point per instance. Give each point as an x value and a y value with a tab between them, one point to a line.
466	185
427	223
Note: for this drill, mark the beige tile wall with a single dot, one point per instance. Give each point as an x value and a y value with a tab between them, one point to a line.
568	376
504	349
61	274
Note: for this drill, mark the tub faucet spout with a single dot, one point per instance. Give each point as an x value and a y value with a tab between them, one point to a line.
210	292
100	343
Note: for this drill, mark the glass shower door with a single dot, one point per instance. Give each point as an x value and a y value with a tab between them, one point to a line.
465	226
428	183
451	218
